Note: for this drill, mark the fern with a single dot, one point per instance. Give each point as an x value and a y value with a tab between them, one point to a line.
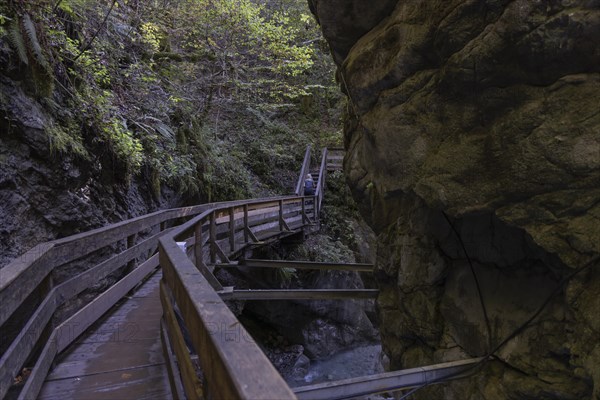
35	47
18	43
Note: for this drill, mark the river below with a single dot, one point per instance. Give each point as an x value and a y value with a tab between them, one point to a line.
359	361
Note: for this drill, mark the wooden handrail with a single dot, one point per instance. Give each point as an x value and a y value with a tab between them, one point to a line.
20	278
238	368
303	171
321	184
389	381
213	227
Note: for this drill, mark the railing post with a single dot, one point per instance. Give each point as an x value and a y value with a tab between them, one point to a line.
232	229
246	224
131	239
304	210
303	171
198	253
281	228
213	238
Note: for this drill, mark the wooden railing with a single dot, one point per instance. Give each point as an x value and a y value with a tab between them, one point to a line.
30	297
303	171
320	190
233	365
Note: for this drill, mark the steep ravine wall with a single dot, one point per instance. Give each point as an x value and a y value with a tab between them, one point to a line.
481	117
46	195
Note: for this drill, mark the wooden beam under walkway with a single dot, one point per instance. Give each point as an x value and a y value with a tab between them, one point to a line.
389	381
299	294
300	265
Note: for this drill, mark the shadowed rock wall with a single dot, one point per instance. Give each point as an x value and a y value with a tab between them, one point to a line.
46	195
489	112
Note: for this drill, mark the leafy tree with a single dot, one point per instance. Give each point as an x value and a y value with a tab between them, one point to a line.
198	94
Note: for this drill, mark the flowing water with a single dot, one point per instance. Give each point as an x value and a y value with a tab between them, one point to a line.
360	361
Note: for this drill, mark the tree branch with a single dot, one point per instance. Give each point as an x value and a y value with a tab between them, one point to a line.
89	43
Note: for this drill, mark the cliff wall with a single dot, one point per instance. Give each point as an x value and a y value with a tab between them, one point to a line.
473	144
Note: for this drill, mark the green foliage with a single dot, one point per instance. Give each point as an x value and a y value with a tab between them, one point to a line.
122	143
215	98
63	142
34	44
286	275
151	35
224	177
257	50
24	40
322	248
339	209
18	42
72	6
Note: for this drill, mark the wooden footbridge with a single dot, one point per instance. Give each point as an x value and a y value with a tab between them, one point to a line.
146	319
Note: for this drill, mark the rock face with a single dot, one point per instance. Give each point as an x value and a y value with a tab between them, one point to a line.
477	123
46	195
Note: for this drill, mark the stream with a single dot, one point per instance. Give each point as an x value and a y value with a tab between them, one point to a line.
360	361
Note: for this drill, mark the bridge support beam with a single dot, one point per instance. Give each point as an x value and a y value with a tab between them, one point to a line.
300	265
299	294
389	381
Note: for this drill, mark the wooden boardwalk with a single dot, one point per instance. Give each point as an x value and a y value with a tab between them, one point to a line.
120	357
114	347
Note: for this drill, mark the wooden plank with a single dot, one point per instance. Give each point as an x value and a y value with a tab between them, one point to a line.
303	171
173	369
237	215
126	341
389	381
15	356
199	244
147	382
40	370
120	230
219	251
262	207
300	294
322	177
252	236
20	278
26	272
208	275
282	223
63	335
77	246
91	276
233	364
305	219
121	350
302	265
212	238
70	330
247	231
232	229
131	240
191	383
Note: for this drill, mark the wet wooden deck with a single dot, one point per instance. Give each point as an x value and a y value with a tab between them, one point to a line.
120	357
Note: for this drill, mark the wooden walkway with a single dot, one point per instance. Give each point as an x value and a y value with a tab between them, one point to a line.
136	347
120	357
